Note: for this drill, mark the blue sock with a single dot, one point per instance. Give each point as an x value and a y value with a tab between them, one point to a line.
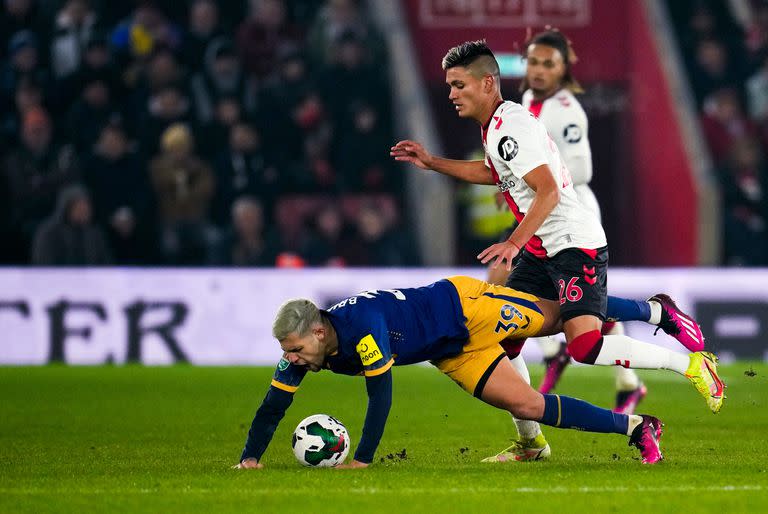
621	309
567	412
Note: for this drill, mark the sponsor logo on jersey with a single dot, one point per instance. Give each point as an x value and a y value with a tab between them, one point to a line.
572	133
283	364
505	185
508	148
368	350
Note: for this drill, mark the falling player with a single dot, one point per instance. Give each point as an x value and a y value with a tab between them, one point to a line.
465	327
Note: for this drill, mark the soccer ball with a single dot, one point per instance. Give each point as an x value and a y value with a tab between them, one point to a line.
320	441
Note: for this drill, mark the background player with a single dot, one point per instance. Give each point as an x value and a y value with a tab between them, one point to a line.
565	253
458	324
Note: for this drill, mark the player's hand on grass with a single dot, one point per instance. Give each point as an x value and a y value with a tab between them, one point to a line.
504	251
412	152
355	464
249	463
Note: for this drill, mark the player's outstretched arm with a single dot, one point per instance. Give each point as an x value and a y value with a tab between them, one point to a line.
414	153
263	426
379	389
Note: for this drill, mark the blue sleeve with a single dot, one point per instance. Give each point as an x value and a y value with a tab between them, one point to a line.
265	422
373	347
379	402
285	382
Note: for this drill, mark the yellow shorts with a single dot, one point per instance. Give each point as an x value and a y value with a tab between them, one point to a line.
491	313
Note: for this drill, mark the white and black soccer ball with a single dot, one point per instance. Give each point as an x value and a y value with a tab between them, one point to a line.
320	441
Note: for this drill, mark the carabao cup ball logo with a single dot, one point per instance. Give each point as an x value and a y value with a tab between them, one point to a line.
321	441
508	148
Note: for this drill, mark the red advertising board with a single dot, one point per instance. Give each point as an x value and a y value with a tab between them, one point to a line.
503	13
637	148
598	28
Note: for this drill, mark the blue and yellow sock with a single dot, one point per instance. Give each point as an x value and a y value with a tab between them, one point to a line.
567	412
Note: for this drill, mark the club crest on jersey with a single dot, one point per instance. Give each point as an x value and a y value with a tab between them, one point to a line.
508	148
368	350
572	133
283	364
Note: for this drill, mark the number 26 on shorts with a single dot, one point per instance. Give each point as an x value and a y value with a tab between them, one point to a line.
571	292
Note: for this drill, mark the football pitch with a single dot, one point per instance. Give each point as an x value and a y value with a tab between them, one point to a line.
138	439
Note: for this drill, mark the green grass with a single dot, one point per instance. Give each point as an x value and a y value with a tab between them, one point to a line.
130	439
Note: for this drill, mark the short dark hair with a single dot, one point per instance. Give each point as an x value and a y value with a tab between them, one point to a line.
553	38
467	53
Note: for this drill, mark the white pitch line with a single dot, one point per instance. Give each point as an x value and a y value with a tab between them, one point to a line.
402	490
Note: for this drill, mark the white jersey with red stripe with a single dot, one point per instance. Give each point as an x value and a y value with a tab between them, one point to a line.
516	143
568	126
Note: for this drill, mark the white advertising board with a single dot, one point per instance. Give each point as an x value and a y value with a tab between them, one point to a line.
224	317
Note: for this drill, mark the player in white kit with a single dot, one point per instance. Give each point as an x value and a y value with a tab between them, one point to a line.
561	243
549	89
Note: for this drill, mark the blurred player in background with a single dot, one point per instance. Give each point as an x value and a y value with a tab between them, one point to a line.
563	253
465	327
549	89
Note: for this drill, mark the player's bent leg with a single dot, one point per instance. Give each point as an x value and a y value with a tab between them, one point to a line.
584	339
619	350
506	390
526	430
531	444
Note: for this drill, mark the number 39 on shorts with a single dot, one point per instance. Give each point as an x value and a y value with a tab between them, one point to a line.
571	292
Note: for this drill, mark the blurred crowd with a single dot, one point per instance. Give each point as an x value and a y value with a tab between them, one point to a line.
725	45
197	132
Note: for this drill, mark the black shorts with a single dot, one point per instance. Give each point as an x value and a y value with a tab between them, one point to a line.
573	277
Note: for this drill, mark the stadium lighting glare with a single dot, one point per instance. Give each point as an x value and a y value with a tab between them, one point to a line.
511	65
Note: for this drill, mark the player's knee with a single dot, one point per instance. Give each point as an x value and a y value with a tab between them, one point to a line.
529	406
586	347
513	347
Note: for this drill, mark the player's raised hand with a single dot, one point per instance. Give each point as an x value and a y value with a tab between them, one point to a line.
249	463
412	152
504	251
353	465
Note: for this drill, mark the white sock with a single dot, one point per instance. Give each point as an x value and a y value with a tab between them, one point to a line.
549	345
626	379
655	318
631	353
634	420
525	429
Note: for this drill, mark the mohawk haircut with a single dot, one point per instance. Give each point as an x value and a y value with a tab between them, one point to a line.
468	53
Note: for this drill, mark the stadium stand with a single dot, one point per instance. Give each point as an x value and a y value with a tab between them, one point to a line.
726	50
169	113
